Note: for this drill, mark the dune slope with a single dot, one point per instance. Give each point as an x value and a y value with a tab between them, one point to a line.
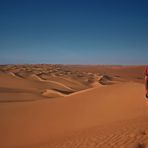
106	116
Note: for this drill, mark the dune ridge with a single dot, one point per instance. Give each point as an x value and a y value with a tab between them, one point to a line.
40	88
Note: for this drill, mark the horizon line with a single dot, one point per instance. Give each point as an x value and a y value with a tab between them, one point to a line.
80	64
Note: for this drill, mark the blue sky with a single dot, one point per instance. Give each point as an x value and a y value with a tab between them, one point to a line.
74	31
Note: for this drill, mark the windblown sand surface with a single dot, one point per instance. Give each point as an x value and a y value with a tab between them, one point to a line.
59	106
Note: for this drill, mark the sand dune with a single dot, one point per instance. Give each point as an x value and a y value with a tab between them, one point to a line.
13	88
101	116
83	119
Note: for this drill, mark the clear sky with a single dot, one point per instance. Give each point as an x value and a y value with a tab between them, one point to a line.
74	31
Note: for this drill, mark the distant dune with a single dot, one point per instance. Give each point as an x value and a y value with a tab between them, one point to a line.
72	106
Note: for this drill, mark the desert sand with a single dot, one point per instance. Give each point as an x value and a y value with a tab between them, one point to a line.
72	106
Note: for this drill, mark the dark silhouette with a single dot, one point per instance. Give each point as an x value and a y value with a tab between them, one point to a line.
146	81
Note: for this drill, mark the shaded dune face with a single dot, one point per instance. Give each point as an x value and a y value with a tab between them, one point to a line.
106	80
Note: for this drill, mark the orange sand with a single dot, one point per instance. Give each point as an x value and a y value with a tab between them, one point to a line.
98	116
